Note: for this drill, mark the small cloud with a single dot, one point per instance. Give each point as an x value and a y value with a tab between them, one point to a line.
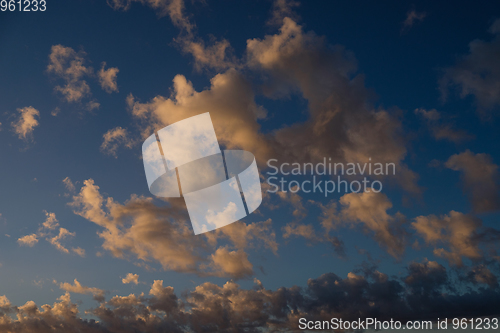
55	112
131	278
412	17
63	233
79	251
69	184
440	130
77	288
26	122
28	240
51	221
107	78
113	139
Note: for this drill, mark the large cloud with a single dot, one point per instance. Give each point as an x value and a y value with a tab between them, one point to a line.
147	232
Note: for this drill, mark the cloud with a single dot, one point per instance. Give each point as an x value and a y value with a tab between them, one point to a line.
77	288
79	251
69	184
370	210
69	65
164	235
231	263
342	124
463	236
107	78
426	277
412	16
131	278
480	177
114	138
173	8
482	275
28	240
51	222
56	240
477	73
282	9
440	130
26	122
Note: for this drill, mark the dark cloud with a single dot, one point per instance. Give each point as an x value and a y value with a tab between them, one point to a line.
480	177
477	73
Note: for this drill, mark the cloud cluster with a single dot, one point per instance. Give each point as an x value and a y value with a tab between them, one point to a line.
46	231
131	278
142	230
70	66
424	292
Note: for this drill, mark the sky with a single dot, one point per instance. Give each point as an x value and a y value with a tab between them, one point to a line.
85	246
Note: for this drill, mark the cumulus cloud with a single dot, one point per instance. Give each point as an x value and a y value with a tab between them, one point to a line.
131	278
480	178
113	139
441	130
456	236
423	293
231	263
164	235
107	78
26	122
477	73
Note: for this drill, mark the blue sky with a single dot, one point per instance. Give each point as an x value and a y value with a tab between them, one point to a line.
415	84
